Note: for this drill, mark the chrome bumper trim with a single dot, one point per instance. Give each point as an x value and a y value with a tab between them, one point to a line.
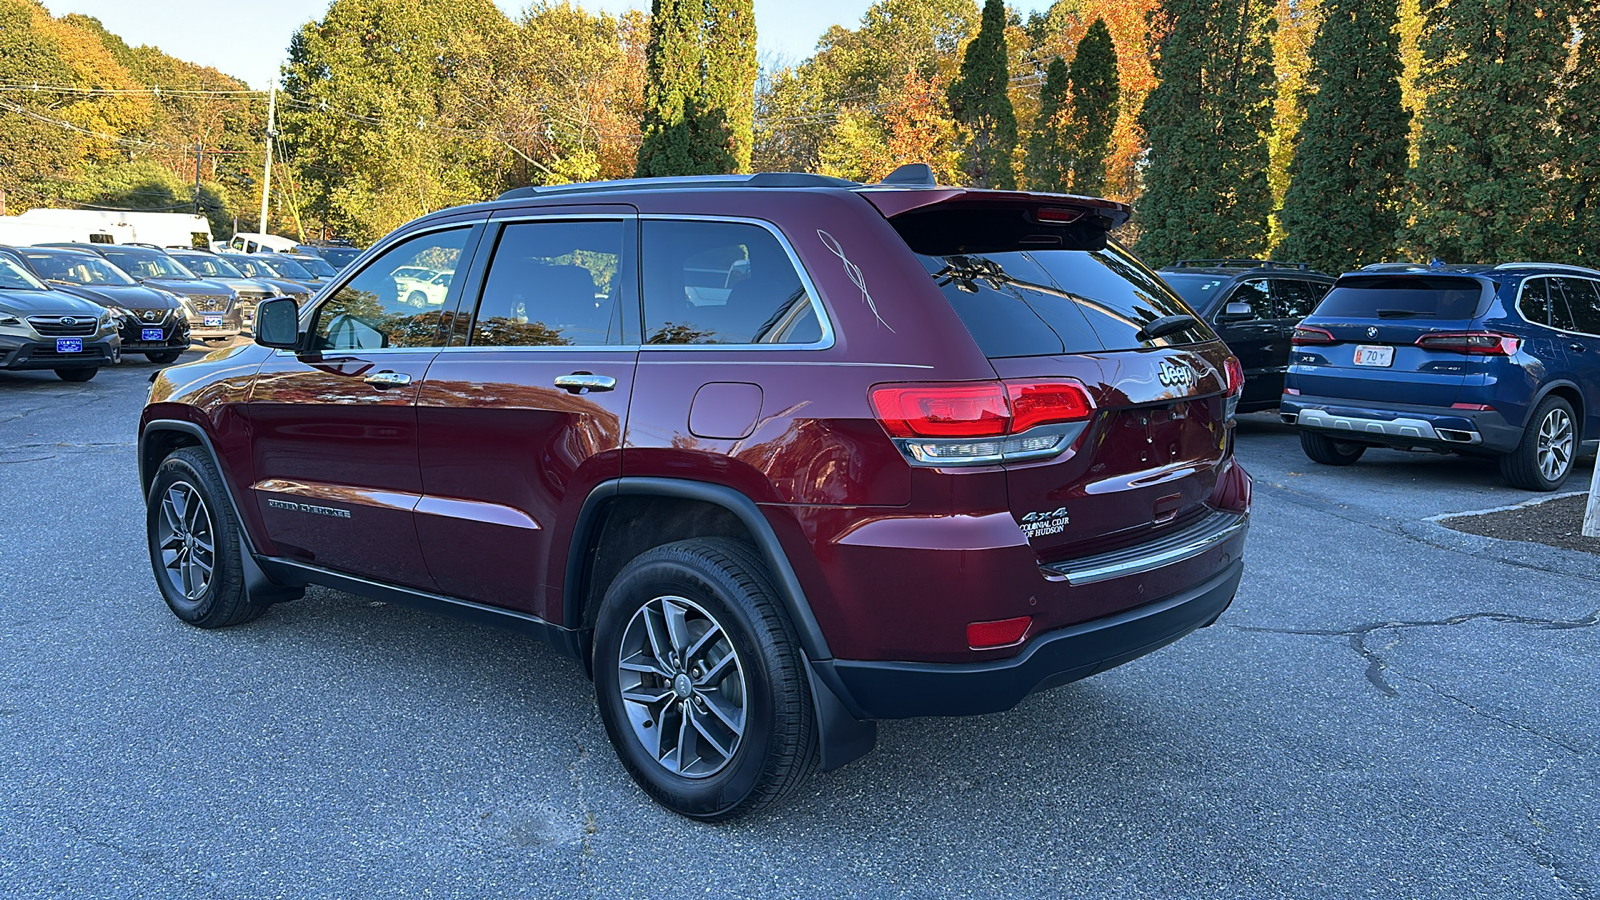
1188	543
1421	429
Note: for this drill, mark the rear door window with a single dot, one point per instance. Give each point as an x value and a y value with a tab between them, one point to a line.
1258	295
1295	299
1535	302
1583	304
1408	296
552	284
723	283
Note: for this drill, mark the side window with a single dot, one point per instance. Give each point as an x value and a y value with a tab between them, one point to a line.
1535	302
1583	304
1256	294
553	284
380	307
722	283
1295	299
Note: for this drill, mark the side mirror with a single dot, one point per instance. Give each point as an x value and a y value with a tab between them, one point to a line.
278	323
1235	312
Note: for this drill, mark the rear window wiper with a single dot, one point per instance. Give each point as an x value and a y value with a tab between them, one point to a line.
1399	313
1167	325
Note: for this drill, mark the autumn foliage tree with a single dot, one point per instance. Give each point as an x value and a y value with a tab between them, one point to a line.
978	100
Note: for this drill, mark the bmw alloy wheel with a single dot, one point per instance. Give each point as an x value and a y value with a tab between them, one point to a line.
1555	444
187	540
683	687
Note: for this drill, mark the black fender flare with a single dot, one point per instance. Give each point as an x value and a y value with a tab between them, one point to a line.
843	735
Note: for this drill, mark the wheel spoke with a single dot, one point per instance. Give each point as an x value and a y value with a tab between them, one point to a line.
722	709
169	512
677	628
686	743
646	695
702	642
641	663
716	672
723	751
656	633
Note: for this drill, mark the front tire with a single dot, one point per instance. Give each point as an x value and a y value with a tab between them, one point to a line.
77	376
701	682
194	543
418	299
1543	458
1323	449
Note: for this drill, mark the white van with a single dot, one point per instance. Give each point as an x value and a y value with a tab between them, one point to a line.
163	229
21	231
250	242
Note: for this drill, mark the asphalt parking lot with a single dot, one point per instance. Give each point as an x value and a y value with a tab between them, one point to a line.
1389	709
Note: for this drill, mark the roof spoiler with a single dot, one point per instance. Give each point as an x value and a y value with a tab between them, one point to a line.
911	175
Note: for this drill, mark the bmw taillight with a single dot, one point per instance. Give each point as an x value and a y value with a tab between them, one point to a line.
970	423
1305	335
1472	343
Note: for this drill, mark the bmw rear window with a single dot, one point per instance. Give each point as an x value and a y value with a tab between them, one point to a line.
1441	297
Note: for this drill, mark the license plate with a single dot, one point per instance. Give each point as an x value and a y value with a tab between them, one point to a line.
152	334
213	321
69	345
1374	356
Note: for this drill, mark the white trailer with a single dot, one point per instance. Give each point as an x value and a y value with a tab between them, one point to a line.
163	229
251	242
20	231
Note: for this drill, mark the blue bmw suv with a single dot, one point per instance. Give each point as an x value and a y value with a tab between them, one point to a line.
1495	361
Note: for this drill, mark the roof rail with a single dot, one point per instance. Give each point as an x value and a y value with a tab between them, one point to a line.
687	182
1559	267
1239	263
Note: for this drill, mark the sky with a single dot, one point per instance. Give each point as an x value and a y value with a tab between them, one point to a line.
248	40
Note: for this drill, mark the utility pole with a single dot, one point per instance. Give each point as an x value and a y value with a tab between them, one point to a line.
272	133
199	151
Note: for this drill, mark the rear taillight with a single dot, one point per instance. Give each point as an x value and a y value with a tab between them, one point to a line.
1473	343
1235	371
971	423
1305	335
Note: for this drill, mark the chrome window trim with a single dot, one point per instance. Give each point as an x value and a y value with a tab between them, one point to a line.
827	340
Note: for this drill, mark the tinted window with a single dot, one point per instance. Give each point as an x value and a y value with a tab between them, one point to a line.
1535	302
1199	291
78	269
1258	295
552	284
1294	299
14	277
722	283
288	268
371	311
144	264
209	266
340	256
1583	304
1406	297
1118	295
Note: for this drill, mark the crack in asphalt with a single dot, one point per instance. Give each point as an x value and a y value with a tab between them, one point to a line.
1376	665
1572	883
588	824
147	859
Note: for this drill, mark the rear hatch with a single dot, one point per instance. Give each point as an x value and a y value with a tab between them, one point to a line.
1361	343
1046	302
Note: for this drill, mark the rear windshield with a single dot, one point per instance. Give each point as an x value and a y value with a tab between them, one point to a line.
1406	297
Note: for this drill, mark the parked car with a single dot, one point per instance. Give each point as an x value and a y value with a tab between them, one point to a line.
337	253
1494	361
421	287
149	320
898	469
251	292
273	266
41	328
212	309
1254	305
319	268
251	242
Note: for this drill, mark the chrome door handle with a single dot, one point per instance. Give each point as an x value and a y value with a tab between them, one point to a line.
578	382
387	379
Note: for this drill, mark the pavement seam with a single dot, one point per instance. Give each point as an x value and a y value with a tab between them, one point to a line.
587	822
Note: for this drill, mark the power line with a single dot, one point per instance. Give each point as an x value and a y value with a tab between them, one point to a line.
124	92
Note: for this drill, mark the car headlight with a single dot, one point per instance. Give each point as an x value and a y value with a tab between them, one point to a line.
7	320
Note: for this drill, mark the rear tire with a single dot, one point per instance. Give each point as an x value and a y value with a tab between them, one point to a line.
194	543
77	376
1543	458
418	299
1329	452
164	357
708	746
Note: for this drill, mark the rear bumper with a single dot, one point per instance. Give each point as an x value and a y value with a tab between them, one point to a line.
19	354
1401	425
893	690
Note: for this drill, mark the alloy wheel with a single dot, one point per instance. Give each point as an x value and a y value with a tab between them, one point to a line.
1555	444
187	540
683	687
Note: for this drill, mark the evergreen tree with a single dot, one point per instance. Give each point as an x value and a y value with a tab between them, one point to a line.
1206	190
979	101
1049	162
1342	208
1481	190
730	63
683	133
1580	125
1095	95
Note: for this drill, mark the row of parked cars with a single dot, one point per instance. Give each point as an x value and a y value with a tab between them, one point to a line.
74	308
1494	361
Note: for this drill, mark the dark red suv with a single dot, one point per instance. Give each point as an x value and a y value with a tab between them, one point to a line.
773	456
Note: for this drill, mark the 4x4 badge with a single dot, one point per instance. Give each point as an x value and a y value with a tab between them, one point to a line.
1040	524
1174	375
